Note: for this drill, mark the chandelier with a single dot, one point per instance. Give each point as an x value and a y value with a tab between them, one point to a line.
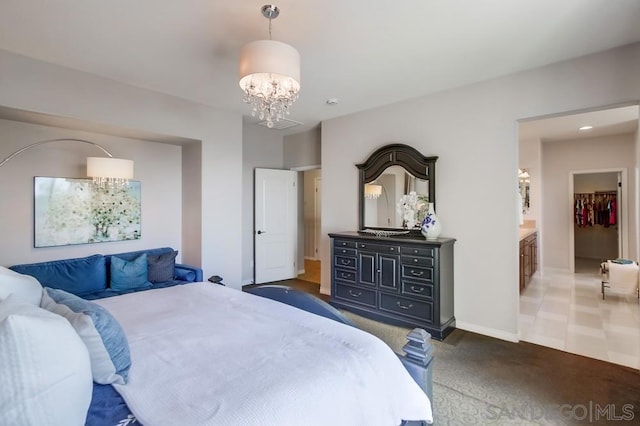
269	75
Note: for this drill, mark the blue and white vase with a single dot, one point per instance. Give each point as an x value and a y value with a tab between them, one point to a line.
431	226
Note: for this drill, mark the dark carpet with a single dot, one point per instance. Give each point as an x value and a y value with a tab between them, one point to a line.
479	380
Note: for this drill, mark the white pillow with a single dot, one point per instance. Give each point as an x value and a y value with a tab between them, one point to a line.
25	288
46	375
100	332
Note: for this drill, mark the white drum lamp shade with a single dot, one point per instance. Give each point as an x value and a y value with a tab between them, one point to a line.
109	168
264	60
269	74
372	191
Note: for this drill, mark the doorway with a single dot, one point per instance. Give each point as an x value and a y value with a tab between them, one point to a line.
599	218
312	235
588	157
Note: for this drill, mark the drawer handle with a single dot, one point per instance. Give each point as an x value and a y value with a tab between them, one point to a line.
363	245
417	274
344	244
391	249
344	251
417	289
358	294
415	251
344	275
415	260
401	306
345	261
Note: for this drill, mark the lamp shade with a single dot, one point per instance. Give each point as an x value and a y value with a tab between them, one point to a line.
372	191
106	167
269	57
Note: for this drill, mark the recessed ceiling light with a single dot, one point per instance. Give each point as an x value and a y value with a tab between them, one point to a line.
586	128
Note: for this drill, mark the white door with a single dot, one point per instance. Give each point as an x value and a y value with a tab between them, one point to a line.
275	225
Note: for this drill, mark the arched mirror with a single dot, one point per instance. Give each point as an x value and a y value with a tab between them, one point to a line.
395	174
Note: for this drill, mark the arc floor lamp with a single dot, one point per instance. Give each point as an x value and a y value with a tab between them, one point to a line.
104	171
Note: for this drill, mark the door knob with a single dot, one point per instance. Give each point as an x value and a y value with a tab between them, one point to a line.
261	232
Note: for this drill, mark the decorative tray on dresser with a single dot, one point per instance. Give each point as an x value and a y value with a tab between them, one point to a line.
401	280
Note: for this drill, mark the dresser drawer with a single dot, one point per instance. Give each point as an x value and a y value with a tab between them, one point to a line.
421	310
379	248
417	273
344	275
419	251
344	252
417	261
356	295
344	262
413	289
344	244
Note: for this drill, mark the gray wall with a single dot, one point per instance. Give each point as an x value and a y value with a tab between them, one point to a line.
157	167
302	149
94	104
559	159
473	130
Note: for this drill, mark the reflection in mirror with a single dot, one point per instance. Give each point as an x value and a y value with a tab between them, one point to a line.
524	180
390	173
383	195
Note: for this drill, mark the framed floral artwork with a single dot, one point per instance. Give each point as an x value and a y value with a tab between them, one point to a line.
75	211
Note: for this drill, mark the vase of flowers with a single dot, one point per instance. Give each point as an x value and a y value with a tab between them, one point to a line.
412	208
431	225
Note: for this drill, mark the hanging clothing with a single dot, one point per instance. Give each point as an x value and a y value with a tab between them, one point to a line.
595	209
612	212
578	212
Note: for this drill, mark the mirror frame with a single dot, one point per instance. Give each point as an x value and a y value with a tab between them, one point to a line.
396	154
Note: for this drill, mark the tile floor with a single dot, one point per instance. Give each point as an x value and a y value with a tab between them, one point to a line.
565	311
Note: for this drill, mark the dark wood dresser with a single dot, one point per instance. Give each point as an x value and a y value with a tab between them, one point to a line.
399	280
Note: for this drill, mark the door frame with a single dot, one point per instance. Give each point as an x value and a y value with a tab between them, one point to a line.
623	217
317	220
317	236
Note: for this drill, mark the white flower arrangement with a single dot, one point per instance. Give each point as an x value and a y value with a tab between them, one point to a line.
412	208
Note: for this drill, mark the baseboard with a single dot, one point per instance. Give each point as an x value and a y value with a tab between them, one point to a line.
486	331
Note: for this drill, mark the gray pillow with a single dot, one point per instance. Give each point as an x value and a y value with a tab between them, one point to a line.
161	266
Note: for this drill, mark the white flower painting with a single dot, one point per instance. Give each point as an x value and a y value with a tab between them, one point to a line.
75	211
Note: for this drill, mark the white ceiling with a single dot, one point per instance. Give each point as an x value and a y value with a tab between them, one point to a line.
605	122
366	53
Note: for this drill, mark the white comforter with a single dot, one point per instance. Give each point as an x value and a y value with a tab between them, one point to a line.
204	354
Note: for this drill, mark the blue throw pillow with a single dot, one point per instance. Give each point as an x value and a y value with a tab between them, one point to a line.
101	333
129	274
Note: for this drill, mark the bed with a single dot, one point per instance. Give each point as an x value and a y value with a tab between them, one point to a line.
204	354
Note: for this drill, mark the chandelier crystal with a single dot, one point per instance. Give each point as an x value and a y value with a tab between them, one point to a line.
269	75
